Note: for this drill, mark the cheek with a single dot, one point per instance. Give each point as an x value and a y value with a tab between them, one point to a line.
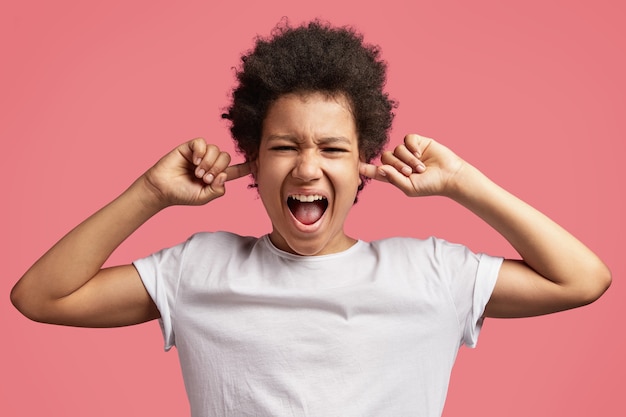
260	172
349	180
269	179
354	173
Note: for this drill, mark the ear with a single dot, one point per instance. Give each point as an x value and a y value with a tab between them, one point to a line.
254	167
361	160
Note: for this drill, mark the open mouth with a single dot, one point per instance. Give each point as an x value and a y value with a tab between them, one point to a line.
307	209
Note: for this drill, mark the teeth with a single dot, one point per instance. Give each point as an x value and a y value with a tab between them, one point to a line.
306	198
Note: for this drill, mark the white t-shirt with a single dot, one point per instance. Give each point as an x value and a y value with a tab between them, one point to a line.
371	331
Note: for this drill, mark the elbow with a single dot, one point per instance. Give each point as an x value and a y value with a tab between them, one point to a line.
19	301
596	283
604	280
26	304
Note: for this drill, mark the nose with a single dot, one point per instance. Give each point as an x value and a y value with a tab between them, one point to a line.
308	166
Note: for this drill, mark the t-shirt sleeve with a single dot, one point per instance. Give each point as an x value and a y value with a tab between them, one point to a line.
472	278
160	273
486	277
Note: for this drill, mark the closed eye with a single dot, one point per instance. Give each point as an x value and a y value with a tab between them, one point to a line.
334	150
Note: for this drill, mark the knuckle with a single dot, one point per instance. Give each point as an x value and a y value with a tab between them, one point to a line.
398	149
226	156
386	156
221	161
413	140
197	143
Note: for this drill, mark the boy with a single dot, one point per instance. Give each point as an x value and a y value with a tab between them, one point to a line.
308	321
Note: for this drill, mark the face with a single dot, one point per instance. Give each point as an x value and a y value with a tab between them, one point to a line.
307	172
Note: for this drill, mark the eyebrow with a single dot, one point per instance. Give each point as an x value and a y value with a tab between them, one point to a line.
323	140
335	139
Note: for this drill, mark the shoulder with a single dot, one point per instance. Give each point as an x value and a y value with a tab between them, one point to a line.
203	244
430	253
429	245
214	244
221	239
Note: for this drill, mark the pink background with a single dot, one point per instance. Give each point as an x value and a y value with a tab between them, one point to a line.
92	93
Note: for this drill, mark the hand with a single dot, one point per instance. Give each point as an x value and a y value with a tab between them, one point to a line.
192	174
419	167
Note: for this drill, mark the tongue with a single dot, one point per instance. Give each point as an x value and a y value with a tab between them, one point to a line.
307	213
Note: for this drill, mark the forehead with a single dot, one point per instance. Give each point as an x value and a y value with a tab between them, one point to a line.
313	115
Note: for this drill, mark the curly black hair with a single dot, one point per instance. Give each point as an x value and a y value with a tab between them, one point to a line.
314	57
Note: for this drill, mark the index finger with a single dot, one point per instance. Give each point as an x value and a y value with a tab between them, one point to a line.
372	171
237	171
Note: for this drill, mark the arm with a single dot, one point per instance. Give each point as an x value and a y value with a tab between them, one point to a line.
68	285
557	272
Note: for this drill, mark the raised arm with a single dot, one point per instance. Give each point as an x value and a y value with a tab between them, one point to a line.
557	272
68	285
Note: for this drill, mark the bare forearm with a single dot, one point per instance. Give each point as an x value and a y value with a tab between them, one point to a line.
543	245
558	272
68	284
78	256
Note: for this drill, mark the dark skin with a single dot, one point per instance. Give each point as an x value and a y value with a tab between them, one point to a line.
557	271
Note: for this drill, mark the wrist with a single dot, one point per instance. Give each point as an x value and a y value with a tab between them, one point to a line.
466	184
150	198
